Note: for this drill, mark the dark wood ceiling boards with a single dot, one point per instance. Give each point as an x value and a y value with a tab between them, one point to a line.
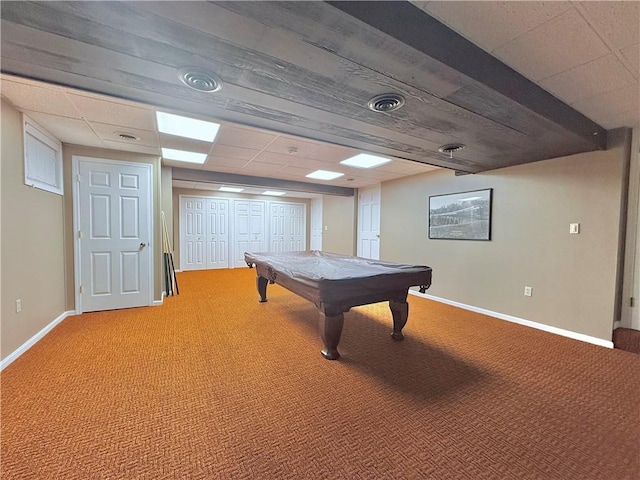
304	68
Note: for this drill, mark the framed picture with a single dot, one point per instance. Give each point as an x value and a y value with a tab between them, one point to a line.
461	216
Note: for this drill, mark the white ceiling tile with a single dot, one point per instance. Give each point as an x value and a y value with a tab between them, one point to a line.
259	169
274	158
217	161
600	76
111	132
113	112
285	143
233	152
313	164
67	130
182	143
132	147
493	24
333	153
39	99
629	118
632	55
607	105
179	164
248	138
537	55
617	22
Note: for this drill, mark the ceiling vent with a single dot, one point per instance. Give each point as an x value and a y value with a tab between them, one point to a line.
451	148
199	80
127	137
387	102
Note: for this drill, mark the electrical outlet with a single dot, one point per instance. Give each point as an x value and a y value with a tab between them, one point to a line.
528	291
18	306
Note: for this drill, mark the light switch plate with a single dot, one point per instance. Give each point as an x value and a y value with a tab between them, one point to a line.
574	228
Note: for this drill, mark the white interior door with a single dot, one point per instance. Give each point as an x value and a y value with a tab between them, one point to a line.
296	231
316	224
249	229
369	223
113	217
192	233
277	227
218	233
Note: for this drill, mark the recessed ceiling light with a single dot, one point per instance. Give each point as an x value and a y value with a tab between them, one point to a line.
274	193
230	189
324	175
187	127
183	156
365	160
199	80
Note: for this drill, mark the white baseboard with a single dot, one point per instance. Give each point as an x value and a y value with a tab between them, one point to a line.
33	340
158	303
528	323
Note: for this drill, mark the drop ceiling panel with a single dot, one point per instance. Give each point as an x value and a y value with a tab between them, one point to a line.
68	130
128	147
179	164
36	99
273	158
298	173
619	26
493	24
215	161
261	169
536	54
609	104
312	165
632	55
181	143
285	145
599	76
332	154
233	152
113	112
247	138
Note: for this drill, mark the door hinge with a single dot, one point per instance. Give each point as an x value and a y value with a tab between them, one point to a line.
80	288
79	233
631	302
78	177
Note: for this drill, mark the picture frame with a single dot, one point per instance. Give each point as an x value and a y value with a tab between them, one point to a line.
461	216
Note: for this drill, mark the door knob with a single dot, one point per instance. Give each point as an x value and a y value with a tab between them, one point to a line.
142	244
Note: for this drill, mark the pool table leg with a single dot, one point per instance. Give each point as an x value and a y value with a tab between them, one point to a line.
330	330
261	283
400	312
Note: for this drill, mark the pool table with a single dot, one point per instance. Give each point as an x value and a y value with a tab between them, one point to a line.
335	283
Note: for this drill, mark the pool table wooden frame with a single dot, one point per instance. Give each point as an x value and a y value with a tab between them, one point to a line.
320	278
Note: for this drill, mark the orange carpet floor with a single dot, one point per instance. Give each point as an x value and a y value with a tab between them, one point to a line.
215	385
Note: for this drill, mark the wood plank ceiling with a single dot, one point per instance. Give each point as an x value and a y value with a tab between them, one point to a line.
306	69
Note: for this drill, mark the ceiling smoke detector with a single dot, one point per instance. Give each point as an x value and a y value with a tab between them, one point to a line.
450	148
387	102
199	80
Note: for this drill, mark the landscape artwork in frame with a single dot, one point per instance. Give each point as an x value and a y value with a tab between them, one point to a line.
461	216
